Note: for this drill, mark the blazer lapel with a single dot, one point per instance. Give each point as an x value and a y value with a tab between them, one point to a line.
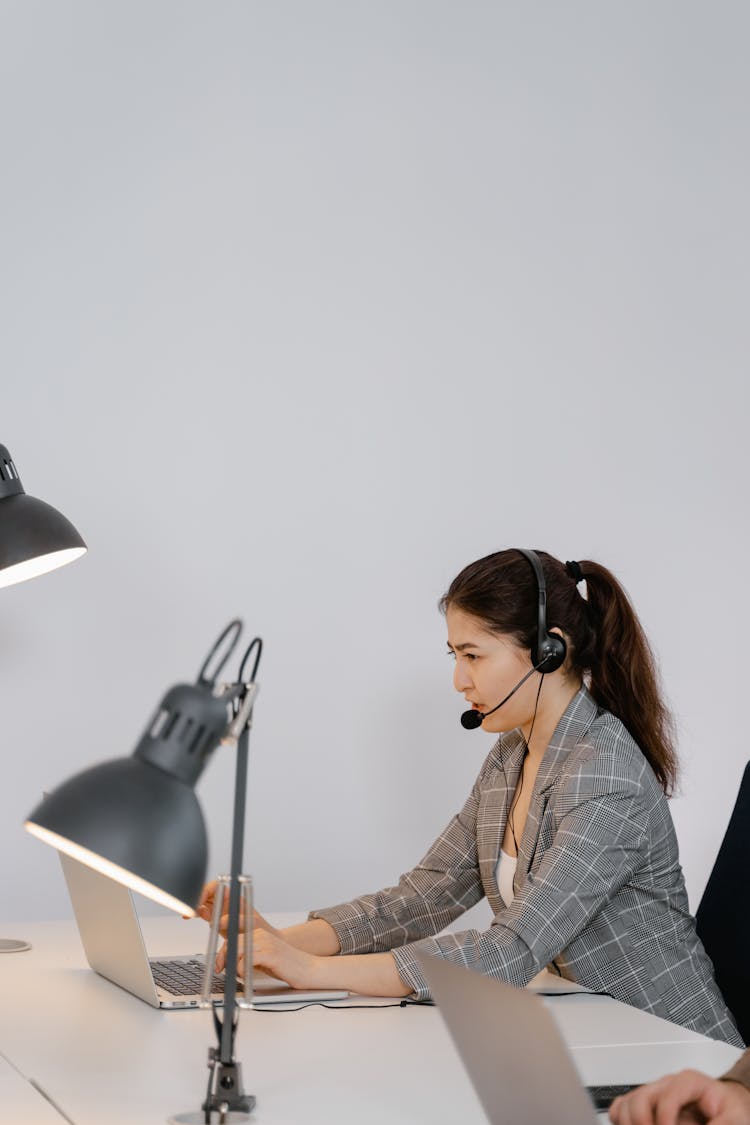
545	779
572	726
493	810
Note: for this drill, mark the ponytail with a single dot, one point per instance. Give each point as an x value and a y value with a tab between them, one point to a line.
622	672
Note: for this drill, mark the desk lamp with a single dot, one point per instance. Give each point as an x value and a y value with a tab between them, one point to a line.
138	821
34	538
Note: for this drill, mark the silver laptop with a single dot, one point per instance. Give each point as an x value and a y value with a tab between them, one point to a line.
504	1036
114	947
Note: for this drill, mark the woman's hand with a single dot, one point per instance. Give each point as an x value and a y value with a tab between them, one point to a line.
275	956
206	909
681	1098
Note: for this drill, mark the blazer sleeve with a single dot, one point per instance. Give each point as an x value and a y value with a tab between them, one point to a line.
598	843
442	886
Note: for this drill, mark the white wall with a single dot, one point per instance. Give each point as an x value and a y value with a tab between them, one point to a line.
305	306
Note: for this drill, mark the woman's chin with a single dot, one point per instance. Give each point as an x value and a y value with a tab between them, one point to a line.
496	724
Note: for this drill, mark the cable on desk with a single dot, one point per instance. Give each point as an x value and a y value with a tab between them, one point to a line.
283	1009
576	992
345	1007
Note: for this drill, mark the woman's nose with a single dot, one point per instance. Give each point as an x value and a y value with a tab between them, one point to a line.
461	680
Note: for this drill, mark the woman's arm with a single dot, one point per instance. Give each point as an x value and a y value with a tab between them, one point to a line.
599	842
372	974
443	885
316	937
313	937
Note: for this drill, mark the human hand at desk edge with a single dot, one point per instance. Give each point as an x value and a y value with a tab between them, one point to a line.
681	1098
371	974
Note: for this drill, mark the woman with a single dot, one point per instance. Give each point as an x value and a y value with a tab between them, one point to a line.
566	830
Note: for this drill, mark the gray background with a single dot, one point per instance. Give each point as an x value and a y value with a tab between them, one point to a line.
305	306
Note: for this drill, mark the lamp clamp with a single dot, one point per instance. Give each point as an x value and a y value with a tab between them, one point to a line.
226	1093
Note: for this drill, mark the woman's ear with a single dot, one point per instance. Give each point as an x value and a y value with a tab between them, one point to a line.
557	632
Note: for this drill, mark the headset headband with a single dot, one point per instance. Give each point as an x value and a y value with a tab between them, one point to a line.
550	649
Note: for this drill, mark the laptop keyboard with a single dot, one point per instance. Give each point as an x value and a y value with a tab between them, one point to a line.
603	1096
184	978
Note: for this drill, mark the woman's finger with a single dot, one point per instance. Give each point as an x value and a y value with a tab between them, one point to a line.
205	906
221	959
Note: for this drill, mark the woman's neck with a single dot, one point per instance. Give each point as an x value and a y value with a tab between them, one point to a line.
554	701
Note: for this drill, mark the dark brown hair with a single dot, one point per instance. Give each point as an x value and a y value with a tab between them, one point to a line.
606	641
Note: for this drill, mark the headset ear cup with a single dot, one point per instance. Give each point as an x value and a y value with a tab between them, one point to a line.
552	651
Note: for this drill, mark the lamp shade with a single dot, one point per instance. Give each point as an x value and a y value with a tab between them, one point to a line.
34	536
133	822
137	819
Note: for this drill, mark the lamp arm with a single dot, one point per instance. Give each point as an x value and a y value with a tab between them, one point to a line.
225	1087
233	930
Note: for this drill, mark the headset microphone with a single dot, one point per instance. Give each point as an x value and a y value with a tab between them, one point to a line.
470	720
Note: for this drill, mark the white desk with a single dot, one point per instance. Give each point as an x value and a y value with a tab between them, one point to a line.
105	1058
20	1100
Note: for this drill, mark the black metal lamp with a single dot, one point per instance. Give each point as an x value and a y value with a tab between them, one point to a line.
34	538
138	821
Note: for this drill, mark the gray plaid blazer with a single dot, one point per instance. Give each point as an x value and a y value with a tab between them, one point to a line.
599	891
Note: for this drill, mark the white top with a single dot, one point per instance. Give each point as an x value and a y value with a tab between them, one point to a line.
504	873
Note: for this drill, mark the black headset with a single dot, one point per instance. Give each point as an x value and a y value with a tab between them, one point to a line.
549	652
